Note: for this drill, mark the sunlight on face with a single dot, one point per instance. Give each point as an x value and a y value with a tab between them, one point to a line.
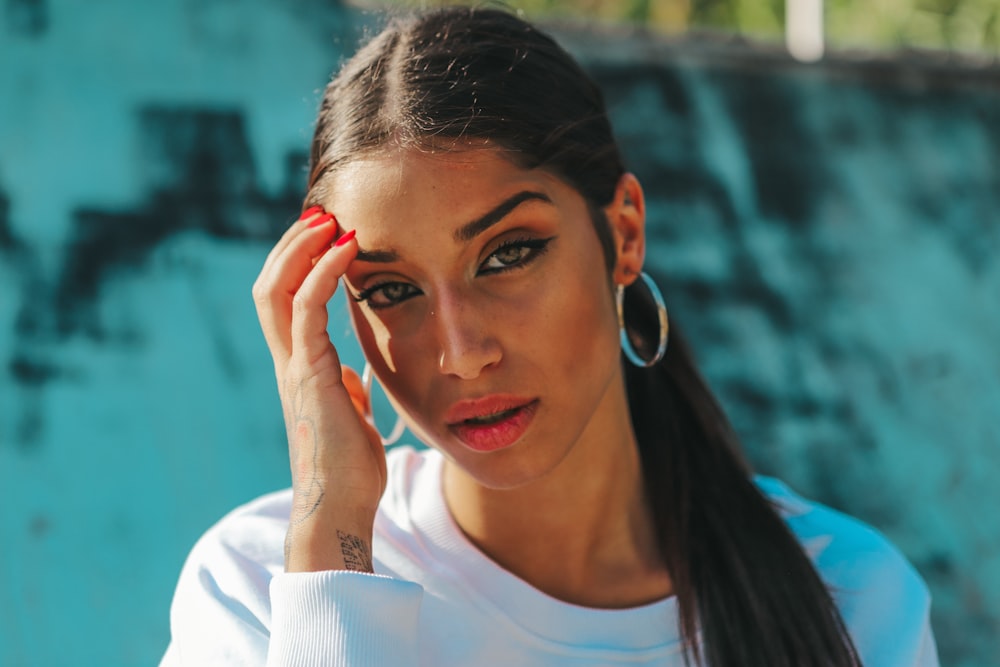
481	299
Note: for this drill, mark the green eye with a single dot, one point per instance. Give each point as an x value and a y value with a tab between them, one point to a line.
514	254
506	256
388	294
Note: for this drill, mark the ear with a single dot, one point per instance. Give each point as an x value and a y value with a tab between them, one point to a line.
626	216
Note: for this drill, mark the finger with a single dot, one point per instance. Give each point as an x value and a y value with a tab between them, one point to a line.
309	318
307	218
278	283
295	231
296	227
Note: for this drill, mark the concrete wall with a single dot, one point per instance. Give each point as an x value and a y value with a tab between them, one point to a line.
827	236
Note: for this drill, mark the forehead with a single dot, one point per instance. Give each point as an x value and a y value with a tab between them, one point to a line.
407	183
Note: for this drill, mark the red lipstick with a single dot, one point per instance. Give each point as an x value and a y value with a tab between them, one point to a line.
492	422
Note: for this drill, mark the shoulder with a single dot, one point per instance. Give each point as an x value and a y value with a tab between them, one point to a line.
223	587
254	526
232	563
849	554
882	598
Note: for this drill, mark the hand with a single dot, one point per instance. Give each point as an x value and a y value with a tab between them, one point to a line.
337	459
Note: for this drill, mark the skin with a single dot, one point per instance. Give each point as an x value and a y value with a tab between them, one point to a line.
460	318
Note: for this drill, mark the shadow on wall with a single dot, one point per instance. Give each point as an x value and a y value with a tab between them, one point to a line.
825	234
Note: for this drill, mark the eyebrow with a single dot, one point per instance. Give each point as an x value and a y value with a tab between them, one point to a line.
377	256
468	231
471	230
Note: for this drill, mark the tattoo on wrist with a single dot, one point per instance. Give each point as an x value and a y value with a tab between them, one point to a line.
303	441
356	552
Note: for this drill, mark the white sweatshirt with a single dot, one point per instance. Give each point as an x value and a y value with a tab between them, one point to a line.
436	600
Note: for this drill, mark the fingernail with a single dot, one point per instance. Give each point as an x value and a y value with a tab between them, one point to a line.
345	238
311	211
321	220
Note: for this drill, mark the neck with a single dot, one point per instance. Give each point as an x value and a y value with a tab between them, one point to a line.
583	533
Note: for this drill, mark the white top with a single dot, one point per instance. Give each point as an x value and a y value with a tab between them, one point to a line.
436	600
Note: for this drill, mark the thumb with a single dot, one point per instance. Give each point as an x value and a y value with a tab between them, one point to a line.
362	405
356	390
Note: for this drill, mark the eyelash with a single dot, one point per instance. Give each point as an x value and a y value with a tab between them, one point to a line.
535	248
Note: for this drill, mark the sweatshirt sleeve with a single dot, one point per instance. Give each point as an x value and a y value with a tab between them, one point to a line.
343	619
235	605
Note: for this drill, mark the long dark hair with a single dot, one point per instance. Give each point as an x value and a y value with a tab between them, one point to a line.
741	578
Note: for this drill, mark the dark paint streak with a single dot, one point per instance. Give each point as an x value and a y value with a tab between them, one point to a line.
199	175
28	18
7	240
30	372
787	160
25	367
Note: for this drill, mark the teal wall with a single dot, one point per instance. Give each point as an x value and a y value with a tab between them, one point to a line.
826	235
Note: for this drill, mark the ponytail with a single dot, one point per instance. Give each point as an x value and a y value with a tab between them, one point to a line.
742	580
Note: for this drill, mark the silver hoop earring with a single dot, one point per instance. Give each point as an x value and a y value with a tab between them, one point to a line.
661	313
367	377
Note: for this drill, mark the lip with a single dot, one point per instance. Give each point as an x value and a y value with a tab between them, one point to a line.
491	436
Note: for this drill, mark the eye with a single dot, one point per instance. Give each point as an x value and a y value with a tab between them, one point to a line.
514	254
384	295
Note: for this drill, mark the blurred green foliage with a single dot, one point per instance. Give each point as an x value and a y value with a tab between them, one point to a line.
969	26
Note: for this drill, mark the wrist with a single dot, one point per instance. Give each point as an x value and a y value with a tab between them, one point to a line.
320	542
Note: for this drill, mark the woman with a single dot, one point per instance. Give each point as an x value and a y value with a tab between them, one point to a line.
575	507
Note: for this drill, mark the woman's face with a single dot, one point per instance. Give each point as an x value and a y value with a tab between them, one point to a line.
480	296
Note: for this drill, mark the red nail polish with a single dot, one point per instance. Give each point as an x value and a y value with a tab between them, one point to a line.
309	212
345	238
321	220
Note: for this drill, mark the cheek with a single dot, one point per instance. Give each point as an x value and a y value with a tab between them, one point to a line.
568	326
589	330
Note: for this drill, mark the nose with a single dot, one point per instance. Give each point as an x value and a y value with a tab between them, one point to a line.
467	346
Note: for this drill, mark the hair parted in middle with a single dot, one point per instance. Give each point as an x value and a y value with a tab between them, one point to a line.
456	78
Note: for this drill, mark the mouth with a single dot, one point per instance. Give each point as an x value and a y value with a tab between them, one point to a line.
489	419
486	425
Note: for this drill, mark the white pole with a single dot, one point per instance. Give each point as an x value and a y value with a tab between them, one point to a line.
804	29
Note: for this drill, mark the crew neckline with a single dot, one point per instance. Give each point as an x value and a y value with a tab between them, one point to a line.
650	628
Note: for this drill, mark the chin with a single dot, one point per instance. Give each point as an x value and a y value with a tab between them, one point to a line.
516	467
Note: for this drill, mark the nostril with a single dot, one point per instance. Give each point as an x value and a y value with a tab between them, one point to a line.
467	356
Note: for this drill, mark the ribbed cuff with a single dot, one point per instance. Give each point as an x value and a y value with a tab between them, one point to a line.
343	619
